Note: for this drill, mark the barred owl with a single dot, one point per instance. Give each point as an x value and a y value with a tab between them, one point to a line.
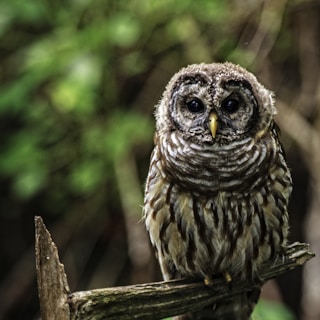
218	185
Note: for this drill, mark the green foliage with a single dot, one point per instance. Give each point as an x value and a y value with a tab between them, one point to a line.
55	93
266	310
25	162
72	73
64	83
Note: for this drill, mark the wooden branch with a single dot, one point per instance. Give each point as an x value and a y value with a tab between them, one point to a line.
163	299
52	281
145	301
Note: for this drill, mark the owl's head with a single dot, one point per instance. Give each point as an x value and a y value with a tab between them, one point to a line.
216	104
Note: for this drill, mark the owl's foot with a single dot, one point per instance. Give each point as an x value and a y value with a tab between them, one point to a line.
227	277
282	254
208	280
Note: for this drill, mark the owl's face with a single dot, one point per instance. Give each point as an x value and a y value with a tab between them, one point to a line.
215	104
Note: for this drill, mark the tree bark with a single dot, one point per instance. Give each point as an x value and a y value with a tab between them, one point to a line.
144	301
52	281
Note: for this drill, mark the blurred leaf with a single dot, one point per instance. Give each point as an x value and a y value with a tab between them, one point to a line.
13	96
125	130
180	29
22	152
29	182
23	11
24	160
76	90
212	11
86	176
133	63
124	30
266	310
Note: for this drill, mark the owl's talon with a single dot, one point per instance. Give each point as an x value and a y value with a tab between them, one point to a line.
227	277
208	281
283	255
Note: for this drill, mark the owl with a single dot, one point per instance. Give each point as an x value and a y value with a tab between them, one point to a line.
217	190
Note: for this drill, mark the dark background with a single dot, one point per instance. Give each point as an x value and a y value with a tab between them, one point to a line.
78	83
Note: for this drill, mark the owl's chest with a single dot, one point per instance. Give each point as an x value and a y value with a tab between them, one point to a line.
220	233
213	167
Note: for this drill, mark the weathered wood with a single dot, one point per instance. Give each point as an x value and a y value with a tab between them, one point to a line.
53	288
145	301
164	299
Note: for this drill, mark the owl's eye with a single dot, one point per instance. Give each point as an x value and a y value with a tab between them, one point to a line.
230	105
195	105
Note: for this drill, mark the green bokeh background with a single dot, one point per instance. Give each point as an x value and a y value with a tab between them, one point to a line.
78	83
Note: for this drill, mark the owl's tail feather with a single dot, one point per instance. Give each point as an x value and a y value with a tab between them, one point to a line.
238	308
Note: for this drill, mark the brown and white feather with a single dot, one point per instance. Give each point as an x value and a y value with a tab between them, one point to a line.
216	204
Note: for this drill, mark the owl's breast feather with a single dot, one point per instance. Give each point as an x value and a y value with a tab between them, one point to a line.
225	232
211	168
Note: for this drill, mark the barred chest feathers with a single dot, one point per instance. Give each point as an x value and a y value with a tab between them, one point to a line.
220	228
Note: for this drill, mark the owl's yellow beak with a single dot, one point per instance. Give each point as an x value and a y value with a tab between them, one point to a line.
213	125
